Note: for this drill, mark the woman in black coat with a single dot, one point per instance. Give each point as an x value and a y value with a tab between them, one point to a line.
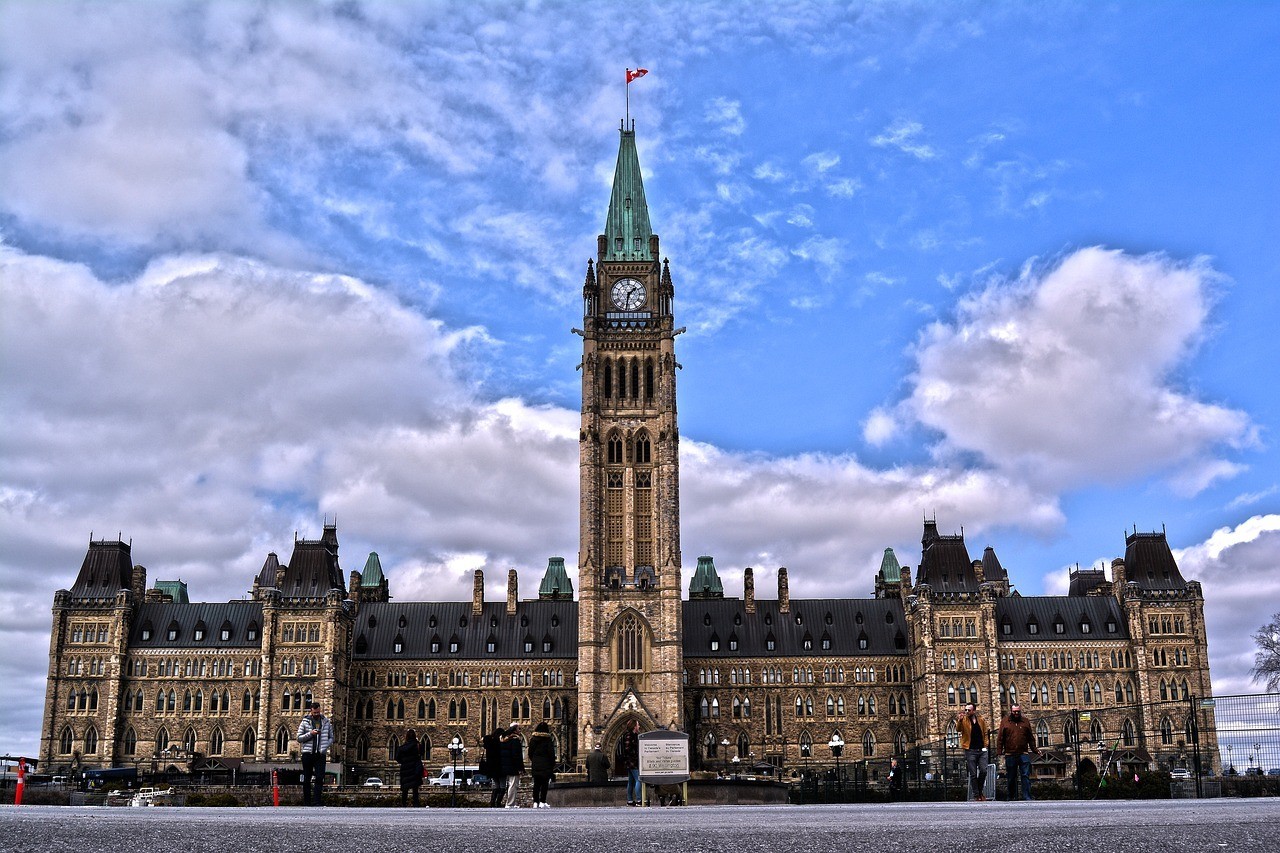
409	755
491	766
542	763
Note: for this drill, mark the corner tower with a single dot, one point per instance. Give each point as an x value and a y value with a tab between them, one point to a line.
629	648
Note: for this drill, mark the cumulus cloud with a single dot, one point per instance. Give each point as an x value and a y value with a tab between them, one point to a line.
1066	375
726	114
1237	568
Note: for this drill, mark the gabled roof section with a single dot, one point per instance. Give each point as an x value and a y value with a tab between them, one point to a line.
850	626
177	590
555	582
313	568
1084	581
267	575
706	580
626	227
242	619
991	568
107	569
1099	612
416	623
890	568
372	574
1149	563
944	561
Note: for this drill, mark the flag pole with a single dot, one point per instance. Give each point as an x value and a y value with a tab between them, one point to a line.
626	85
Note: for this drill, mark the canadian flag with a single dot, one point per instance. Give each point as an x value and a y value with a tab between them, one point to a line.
637	74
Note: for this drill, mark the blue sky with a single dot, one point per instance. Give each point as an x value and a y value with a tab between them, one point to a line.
262	263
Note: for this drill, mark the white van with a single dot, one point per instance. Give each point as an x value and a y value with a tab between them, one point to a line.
467	775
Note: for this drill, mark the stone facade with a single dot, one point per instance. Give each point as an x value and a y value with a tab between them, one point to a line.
146	677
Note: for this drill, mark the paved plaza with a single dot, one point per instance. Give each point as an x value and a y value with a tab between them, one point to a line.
1096	827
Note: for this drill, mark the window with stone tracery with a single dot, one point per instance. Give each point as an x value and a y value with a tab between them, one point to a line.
630	644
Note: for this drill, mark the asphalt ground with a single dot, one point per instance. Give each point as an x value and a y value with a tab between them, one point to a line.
1090	827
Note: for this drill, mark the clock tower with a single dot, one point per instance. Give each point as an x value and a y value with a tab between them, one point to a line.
629	646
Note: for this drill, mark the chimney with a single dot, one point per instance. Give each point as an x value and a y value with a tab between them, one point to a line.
513	591
749	589
477	593
138	581
1118	577
354	587
977	571
784	591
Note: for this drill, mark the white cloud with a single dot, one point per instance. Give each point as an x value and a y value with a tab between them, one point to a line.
801	216
822	161
726	114
1251	498
769	172
843	187
826	253
1065	375
1237	566
880	427
905	135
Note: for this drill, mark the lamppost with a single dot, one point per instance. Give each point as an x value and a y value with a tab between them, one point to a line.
837	746
1257	747
1229	766
724	750
736	762
457	750
806	752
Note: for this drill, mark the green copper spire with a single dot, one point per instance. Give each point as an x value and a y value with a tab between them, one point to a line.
555	583
176	589
627	230
372	574
890	570
706	581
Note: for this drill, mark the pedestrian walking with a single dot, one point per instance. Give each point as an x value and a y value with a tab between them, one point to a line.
896	782
1017	743
315	735
629	761
512	764
597	767
973	740
491	766
409	757
542	763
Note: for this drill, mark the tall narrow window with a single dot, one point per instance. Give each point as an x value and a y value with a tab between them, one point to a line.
608	378
635	378
648	378
630	644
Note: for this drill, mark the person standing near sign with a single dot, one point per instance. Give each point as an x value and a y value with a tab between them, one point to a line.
512	764
315	734
409	757
629	761
973	740
542	763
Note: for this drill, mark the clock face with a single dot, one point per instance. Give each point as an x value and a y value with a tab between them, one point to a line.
628	294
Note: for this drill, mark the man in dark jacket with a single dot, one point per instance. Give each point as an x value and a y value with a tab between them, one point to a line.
1017	742
512	763
974	735
597	767
491	766
409	756
629	761
542	763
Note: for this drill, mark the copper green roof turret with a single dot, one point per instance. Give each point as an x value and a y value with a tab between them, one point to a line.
890	570
372	574
706	581
177	590
555	583
626	230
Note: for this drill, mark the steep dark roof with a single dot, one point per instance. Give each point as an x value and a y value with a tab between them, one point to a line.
945	565
626	227
380	623
890	568
107	569
1084	581
880	621
372	574
991	568
1071	611
267	575
706	580
159	616
313	569
1149	563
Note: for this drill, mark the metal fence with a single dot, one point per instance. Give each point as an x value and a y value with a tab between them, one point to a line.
1189	747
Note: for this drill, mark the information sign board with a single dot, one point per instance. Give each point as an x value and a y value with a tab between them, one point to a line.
664	757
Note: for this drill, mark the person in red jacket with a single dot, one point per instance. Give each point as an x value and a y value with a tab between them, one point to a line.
1017	743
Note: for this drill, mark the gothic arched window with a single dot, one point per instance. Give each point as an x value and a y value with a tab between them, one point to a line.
615	449
630	644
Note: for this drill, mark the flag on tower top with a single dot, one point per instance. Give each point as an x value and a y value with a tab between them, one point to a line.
637	74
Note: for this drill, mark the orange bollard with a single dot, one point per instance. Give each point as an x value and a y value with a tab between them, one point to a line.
275	789
22	781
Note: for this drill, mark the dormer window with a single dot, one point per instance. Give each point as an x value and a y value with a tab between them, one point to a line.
1086	627
431	623
528	645
737	618
435	645
454	645
706	619
807	642
146	632
863	641
172	633
403	622
617	243
733	642
198	635
1033	627
826	642
398	646
1111	626
1059	627
555	621
715	642
224	633
1006	627
524	620
491	644
546	645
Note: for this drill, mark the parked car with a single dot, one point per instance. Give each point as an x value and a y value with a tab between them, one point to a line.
468	775
1180	773
373	782
1274	771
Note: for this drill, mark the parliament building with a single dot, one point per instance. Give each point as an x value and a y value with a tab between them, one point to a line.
144	677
